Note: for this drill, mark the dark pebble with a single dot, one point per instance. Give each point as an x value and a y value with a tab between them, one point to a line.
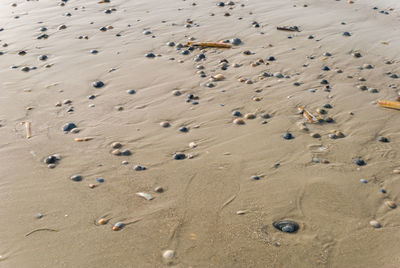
43	57
383	139
286	226
324	82
126	152
221	4
50	159
183	129
131	91
76	178
346	34
383	191
236	113
179	156
326	68
271	58
256	178
22	53
100	180
98	84
91	97
68	127
288	136
359	162
150	55
236	41
139	168
327	106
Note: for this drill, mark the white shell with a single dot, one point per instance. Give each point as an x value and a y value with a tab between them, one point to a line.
145	196
168	254
375	224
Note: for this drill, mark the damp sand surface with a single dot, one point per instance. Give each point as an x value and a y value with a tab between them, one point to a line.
170	163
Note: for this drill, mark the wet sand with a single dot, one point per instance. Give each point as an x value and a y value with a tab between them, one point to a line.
212	212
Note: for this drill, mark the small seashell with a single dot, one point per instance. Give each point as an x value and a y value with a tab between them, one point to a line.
249	116
144	195
164	124
396	171
256	98
168	254
192	145
390	204
102	221
375	224
286	226
116	152
218	77
118	226
116	145
238	121
159	189
92	186
83	139
241	212
76	177
315	135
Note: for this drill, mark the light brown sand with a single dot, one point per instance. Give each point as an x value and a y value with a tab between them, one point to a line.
196	215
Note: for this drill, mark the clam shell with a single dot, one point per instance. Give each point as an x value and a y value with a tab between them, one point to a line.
250	116
286	226
168	254
218	77
102	221
164	124
390	204
238	121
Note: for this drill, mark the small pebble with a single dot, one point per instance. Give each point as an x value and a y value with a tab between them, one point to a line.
179	156
383	139
76	177
288	136
116	152
150	55
239	121
126	152
256	178
97	84
100	180
159	189
375	224
165	124
249	116
183	129
68	127
359	162
364	181
131	91
39	216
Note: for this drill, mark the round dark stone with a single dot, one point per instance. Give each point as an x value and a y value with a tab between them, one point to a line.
91	97
310	37
325	68
256	178
171	44
346	34
22	53
359	162
43	29
94	51
50	159
329	120
68	127
179	156
139	168
271	58
327	106
131	91
185	52
286	226
324	82
126	152
100	180
236	113
383	191
150	55
183	129
43	57
98	84
221	4
288	136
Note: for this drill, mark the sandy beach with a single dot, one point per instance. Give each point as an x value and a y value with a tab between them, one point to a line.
122	146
